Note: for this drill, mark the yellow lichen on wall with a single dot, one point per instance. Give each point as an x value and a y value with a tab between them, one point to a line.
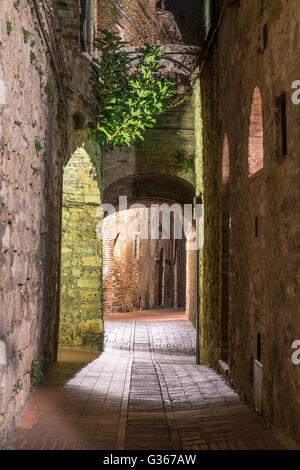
199	191
81	322
206	169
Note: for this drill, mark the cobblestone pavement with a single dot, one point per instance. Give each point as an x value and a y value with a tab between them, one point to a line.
144	392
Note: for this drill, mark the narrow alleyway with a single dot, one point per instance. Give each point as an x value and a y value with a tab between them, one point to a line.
144	392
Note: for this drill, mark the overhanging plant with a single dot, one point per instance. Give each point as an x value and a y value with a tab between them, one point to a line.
128	93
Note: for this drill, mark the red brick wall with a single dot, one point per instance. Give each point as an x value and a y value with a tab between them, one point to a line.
136	22
155	277
191	279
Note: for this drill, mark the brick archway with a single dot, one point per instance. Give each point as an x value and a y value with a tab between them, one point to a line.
150	186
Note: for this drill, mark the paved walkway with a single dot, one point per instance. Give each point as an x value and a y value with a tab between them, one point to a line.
143	392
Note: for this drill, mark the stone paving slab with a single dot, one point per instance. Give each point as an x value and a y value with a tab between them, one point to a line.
144	392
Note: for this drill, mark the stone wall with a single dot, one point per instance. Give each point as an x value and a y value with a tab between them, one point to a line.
40	130
207	166
41	127
81	324
30	185
135	21
254	48
138	21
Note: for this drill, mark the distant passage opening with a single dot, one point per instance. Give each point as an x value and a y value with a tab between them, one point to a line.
148	260
141	269
80	323
225	253
256	135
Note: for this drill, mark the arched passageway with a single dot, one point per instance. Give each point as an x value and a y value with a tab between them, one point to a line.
141	269
80	322
144	245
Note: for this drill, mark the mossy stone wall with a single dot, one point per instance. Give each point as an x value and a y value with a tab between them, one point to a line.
81	322
207	170
173	132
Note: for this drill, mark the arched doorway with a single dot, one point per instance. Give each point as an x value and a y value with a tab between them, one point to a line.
150	269
256	135
80	323
143	270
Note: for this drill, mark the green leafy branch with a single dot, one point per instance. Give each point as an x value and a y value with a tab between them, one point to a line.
18	386
36	373
128	95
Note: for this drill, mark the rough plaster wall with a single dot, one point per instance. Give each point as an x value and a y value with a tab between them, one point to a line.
29	178
31	186
133	283
81	322
264	277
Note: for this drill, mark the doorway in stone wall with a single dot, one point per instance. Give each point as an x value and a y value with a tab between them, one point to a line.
142	270
146	264
81	319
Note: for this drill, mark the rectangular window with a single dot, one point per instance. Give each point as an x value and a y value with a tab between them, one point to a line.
89	25
87	29
281	126
256	226
82	24
258	347
265	36
207	15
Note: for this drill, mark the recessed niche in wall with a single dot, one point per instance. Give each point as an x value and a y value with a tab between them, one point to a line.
258	347
256	135
265	37
281	126
256	226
